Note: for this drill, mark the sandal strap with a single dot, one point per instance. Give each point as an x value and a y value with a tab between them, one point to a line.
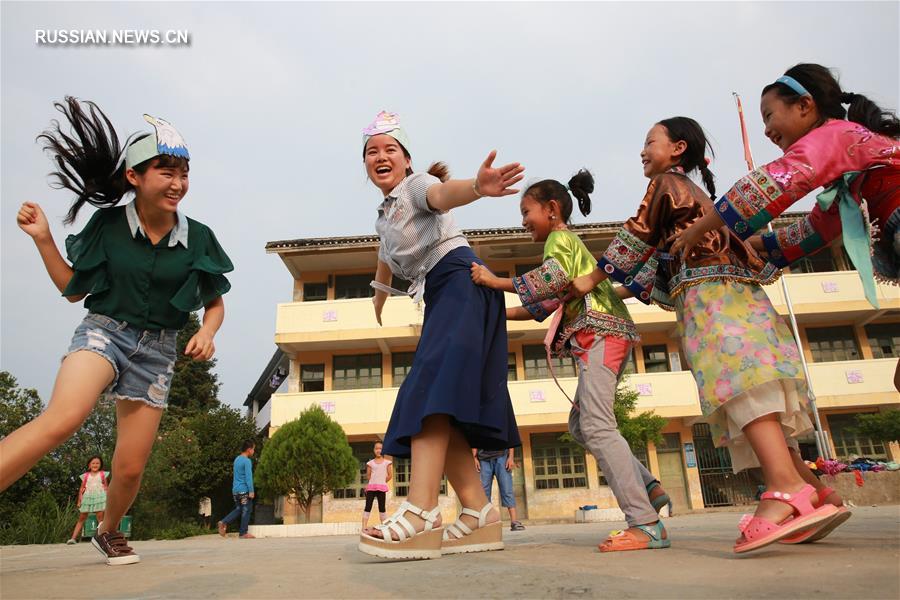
654	531
460	530
800	501
399	524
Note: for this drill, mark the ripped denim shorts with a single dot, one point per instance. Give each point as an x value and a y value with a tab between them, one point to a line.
143	360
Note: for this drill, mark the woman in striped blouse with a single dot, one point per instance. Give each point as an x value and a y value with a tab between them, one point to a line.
455	397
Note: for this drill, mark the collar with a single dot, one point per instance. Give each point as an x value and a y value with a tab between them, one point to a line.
178	235
392	196
676	169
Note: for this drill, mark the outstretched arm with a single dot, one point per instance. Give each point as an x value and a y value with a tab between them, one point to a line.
489	181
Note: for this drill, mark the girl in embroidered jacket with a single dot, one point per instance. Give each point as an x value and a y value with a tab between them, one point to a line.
141	269
854	153
455	397
742	356
599	333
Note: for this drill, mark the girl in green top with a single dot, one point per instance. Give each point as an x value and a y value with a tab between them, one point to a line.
598	332
142	268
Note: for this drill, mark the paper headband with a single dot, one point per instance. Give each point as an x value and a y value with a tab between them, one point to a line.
165	139
389	124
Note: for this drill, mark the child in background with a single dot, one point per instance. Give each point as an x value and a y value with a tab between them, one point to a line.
91	494
378	472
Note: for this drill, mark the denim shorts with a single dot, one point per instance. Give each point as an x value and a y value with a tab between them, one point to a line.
496	467
143	360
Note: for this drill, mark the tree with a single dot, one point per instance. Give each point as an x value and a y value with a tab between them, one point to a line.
306	458
17	406
881	427
637	430
58	472
194	386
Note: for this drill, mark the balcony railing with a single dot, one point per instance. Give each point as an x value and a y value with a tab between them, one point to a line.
349	323
535	401
539	401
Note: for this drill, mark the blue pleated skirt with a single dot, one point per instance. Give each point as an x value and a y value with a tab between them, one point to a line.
460	364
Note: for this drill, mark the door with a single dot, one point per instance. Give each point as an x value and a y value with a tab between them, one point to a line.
671	472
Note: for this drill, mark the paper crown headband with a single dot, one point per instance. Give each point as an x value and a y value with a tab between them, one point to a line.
164	139
389	124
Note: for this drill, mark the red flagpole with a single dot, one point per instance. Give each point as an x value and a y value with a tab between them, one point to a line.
748	155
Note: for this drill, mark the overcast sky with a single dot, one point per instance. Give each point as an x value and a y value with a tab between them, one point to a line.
271	99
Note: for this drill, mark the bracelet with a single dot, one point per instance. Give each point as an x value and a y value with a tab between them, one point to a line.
475	189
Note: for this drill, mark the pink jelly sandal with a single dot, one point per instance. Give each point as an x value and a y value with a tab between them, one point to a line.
757	532
817	533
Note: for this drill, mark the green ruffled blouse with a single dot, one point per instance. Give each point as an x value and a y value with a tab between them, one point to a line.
149	286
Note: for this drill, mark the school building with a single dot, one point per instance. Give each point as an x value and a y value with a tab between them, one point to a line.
332	353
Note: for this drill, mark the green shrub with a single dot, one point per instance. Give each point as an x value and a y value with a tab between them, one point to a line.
41	521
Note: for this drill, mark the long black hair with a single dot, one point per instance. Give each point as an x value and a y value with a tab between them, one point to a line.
826	92
687	130
581	185
88	156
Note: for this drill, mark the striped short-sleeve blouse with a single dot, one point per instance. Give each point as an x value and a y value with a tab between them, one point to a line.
414	238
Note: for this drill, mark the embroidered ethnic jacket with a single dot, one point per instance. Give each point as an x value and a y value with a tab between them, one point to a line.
636	257
820	158
601	311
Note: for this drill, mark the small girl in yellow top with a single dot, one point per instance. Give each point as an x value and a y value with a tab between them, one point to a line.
599	333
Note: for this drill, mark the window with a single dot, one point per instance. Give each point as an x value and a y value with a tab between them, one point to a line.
820	262
630	367
656	360
884	339
315	291
398	284
401	365
401	478
832	343
557	464
363	453
536	364
848	443
511	374
639	453
312	378
353	286
357	372
522	269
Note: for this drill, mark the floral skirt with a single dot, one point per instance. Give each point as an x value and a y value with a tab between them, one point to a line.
745	362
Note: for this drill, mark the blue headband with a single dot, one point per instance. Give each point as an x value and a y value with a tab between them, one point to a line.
793	84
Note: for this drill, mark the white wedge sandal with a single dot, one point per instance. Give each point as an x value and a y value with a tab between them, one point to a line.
465	539
409	544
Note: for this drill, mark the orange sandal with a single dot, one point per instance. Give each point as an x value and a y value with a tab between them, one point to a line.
621	541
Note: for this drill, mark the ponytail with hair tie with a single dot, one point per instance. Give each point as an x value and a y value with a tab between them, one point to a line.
848	97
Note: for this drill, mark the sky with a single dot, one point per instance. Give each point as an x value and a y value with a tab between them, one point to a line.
272	98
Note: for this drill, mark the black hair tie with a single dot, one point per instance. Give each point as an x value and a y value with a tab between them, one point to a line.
847	97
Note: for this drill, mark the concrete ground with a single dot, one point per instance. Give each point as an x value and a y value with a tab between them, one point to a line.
859	560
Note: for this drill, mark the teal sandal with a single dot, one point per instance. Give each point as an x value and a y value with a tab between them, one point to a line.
659	502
